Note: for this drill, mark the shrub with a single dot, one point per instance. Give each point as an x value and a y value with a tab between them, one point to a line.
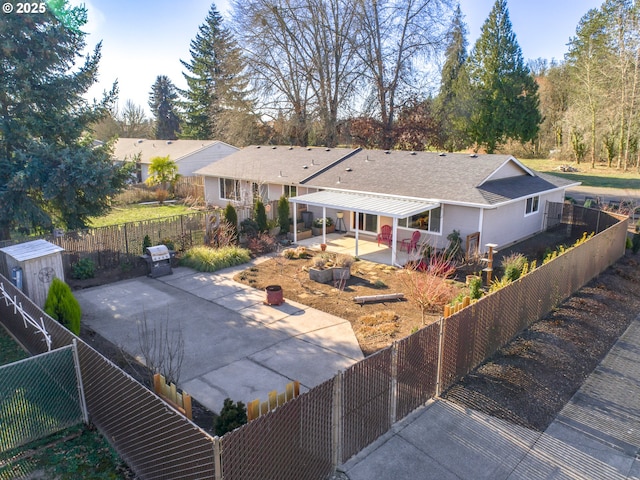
167	242
249	227
318	222
513	265
475	288
283	214
289	253
232	416
63	306
83	269
344	261
146	242
319	262
205	259
231	216
628	243
161	195
379	284
454	249
261	216
635	243
262	243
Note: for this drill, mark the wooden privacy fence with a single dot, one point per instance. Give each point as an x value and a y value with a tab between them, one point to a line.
308	437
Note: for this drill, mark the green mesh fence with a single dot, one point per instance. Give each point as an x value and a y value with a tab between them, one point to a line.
38	396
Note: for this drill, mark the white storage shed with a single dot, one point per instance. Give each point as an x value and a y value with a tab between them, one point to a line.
34	264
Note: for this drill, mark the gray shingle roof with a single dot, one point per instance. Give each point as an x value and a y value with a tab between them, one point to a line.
453	177
280	165
126	148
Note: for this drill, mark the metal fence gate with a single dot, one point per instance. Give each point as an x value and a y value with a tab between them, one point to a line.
39	396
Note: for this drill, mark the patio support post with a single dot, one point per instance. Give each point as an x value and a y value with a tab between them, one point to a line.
295	223
355	214
324	225
394	241
480	222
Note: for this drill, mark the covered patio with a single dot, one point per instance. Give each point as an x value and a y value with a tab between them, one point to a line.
368	248
381	206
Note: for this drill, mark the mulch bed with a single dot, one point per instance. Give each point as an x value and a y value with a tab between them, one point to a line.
529	380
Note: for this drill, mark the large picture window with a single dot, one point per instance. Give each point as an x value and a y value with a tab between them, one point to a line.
533	203
230	189
428	221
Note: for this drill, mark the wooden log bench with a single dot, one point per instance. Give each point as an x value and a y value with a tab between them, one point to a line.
378	298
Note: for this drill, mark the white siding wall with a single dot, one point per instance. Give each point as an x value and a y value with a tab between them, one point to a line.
508	224
189	164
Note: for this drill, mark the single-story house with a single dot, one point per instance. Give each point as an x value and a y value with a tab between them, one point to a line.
189	155
489	199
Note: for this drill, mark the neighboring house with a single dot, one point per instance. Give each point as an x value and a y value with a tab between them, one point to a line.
487	198
189	155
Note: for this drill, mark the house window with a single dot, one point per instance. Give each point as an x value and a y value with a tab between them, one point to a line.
290	191
260	192
230	189
366	222
533	204
428	221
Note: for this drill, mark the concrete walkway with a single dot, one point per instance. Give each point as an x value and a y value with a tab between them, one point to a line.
235	345
595	436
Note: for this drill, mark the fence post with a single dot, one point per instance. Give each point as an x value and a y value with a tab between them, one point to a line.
336	421
217	460
440	358
393	394
76	363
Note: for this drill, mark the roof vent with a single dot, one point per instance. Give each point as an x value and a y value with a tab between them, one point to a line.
290	148
308	149
327	149
412	153
280	174
367	159
258	146
169	142
348	169
338	180
474	155
140	141
305	167
387	152
442	154
273	148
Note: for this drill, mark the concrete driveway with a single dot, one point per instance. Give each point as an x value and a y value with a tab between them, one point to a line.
235	346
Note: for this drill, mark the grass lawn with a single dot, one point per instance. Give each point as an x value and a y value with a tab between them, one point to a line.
600	176
77	452
136	213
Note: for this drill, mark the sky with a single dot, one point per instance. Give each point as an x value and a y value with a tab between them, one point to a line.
142	39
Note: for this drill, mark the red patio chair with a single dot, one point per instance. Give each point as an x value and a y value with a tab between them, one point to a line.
411	244
385	235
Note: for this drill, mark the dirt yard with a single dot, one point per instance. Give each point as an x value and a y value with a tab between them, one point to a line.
529	380
376	324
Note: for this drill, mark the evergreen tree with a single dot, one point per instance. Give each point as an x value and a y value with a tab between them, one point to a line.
453	102
162	101
50	173
506	96
216	104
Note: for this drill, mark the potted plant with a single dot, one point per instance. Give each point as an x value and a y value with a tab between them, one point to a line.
319	222
342	267
318	272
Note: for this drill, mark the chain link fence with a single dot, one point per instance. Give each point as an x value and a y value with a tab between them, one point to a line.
39	396
308	437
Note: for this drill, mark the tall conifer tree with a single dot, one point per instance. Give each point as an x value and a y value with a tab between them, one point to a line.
506	93
216	104
163	103
50	173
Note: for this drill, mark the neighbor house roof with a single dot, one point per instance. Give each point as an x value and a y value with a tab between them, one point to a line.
453	178
127	148
280	165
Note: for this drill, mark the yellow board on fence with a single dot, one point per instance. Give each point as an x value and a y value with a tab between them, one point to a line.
256	408
179	401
